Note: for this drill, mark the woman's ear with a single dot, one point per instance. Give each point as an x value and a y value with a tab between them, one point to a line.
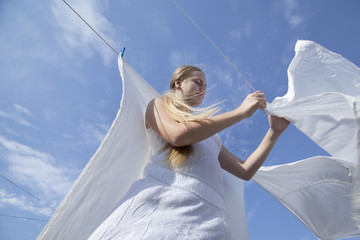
178	84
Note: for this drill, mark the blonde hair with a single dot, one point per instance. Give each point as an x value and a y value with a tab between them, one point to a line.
178	109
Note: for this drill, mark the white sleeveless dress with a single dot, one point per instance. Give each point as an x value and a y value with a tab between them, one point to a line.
183	203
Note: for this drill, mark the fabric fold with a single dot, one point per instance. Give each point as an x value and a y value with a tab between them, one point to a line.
316	190
322	101
109	173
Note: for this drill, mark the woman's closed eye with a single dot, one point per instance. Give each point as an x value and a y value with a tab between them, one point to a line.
200	83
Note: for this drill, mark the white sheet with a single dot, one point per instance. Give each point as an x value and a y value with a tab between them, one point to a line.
117	163
322	101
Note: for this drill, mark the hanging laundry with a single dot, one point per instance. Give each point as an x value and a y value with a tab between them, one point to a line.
322	101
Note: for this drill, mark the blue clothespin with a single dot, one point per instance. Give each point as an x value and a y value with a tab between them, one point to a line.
122	52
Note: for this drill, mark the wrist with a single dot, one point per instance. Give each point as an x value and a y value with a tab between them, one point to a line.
241	114
274	134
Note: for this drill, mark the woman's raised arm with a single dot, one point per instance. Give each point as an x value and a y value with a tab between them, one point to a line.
246	169
183	134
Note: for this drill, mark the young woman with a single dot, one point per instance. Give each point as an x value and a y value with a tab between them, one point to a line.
181	196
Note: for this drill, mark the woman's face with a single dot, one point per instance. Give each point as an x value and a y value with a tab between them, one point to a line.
193	88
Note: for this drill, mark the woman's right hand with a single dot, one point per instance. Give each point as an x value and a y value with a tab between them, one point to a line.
252	102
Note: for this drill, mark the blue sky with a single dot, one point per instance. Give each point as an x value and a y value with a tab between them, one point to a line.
60	87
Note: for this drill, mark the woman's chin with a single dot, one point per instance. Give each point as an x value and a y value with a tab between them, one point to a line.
196	103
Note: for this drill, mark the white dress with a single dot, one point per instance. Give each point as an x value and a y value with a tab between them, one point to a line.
183	203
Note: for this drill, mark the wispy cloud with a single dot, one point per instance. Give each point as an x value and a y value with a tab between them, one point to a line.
77	35
289	8
250	213
159	25
8	130
241	147
15	115
93	132
22	109
244	30
178	58
23	203
224	77
35	170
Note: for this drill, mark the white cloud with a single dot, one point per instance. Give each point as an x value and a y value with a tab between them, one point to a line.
293	19
250	213
178	58
94	132
159	25
22	109
226	77
16	116
235	34
8	130
23	203
245	30
77	35
238	146
35	169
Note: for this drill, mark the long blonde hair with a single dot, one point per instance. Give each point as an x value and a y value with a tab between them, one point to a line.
178	109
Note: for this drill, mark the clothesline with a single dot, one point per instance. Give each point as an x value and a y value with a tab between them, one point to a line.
25	218
93	29
32	195
192	21
217	48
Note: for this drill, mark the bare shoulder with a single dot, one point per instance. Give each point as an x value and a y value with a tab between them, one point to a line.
153	106
152	111
155	102
159	120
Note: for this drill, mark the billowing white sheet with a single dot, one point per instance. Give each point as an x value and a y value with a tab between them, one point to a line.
322	101
117	163
317	191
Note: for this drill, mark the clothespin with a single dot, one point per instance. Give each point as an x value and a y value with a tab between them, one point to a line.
122	52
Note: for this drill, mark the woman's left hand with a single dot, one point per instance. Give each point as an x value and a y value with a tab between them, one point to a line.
278	124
